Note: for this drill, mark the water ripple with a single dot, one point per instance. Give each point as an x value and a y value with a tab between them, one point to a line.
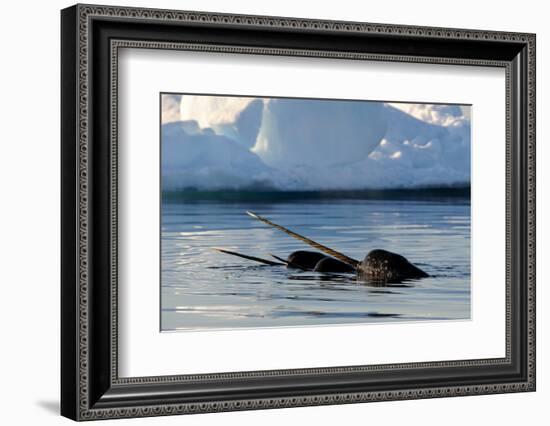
203	289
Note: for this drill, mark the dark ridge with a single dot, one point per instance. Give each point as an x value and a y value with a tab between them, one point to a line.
451	194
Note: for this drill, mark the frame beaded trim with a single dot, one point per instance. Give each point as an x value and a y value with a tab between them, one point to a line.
86	13
287	402
300	23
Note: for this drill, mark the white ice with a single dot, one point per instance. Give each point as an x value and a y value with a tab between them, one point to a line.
300	144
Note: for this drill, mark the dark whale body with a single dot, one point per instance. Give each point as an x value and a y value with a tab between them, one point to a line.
387	267
303	259
332	265
314	261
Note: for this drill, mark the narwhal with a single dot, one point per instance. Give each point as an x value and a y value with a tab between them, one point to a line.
379	265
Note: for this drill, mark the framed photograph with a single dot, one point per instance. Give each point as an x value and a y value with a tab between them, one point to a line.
263	212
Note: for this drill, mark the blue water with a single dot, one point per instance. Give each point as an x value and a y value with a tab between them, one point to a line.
205	289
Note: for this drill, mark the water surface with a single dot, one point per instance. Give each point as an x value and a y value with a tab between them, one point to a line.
205	289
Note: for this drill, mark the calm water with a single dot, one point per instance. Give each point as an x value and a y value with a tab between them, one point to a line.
205	289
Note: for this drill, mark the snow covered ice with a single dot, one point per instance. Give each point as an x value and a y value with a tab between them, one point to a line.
219	142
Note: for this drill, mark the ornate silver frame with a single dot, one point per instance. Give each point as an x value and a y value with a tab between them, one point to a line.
91	388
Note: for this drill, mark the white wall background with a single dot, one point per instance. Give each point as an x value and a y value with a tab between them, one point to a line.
29	214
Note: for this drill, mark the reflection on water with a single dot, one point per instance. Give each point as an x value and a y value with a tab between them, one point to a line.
205	289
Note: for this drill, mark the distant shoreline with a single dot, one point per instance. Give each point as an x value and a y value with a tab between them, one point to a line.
449	194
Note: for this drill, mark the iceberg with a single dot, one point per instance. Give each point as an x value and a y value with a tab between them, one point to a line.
238	118
223	142
313	133
205	160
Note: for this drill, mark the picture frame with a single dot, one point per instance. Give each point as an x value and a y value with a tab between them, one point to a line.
91	37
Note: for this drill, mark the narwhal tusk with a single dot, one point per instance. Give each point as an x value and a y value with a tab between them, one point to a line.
324	249
280	259
244	256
